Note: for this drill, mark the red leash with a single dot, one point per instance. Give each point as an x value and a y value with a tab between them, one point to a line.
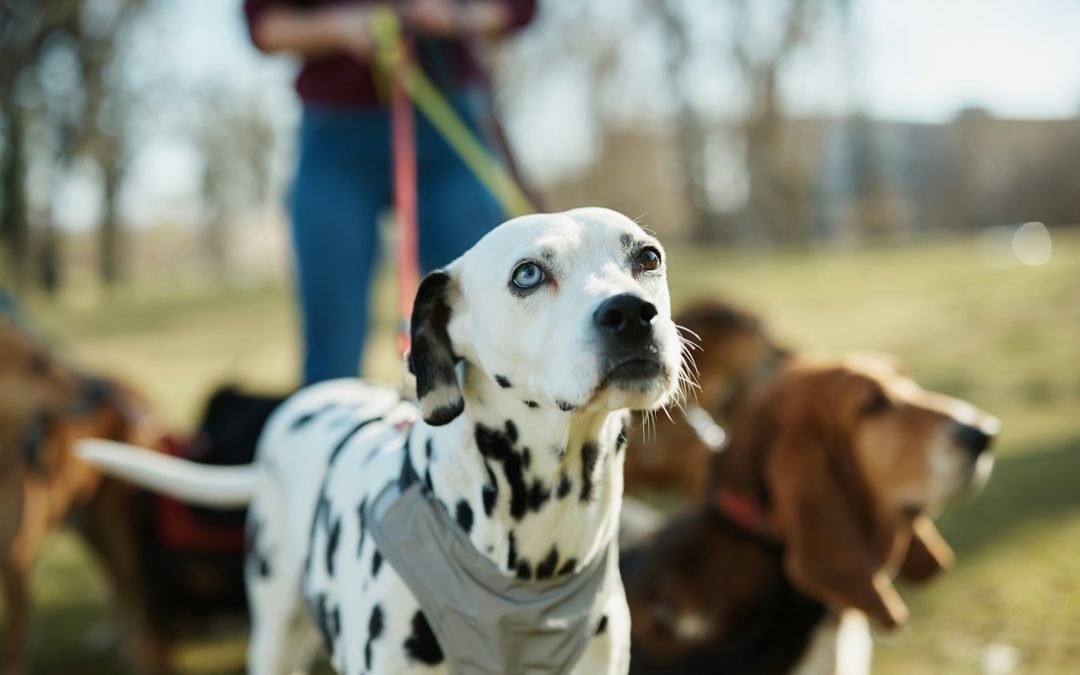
393	51
403	143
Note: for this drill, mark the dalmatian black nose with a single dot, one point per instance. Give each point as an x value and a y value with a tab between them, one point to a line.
625	317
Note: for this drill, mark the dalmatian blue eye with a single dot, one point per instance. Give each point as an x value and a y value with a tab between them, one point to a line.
528	275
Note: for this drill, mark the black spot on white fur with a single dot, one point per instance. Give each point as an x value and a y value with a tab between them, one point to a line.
464	515
328	621
498	446
421	645
307	417
511	552
503	381
332	539
348	437
362	527
376	563
254	557
524	570
589	454
567	567
546	567
531	404
375	631
490	492
539	494
564	486
602	626
408	471
564	406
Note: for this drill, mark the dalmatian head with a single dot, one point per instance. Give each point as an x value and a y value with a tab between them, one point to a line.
568	311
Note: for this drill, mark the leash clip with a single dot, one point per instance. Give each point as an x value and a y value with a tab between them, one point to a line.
707	429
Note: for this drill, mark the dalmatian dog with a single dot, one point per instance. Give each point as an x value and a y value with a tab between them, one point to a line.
528	353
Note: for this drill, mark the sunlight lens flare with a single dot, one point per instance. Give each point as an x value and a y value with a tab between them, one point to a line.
1031	244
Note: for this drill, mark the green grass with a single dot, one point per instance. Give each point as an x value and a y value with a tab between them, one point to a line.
1007	338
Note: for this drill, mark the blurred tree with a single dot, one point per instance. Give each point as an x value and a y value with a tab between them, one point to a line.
60	99
761	41
777	207
25	27
103	131
691	127
235	139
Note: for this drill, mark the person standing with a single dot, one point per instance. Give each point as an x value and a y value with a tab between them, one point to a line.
343	178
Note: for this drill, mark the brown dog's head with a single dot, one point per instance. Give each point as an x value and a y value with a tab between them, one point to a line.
736	358
32	382
736	353
847	456
33	388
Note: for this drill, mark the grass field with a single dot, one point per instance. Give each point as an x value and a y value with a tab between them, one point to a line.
1007	338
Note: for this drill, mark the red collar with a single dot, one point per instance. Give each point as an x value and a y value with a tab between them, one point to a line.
744	512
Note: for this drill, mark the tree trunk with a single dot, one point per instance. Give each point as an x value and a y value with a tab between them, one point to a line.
690	128
110	254
49	267
14	227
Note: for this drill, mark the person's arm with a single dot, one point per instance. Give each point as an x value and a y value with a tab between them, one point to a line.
310	32
448	18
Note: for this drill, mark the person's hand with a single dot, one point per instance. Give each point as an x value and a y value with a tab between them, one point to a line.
438	18
352	28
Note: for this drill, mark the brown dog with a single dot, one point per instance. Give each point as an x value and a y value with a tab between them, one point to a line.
819	499
737	359
44	408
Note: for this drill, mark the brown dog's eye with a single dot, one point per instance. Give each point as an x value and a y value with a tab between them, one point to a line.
648	259
39	365
878	402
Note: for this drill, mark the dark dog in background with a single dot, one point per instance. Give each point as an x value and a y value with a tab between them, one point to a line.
45	407
820	497
194	557
169	566
737	357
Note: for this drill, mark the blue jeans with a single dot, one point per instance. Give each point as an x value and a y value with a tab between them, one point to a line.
343	183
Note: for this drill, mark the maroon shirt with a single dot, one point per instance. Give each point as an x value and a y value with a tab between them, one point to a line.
342	80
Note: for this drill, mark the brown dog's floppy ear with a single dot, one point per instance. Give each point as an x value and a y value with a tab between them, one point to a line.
826	555
927	554
431	358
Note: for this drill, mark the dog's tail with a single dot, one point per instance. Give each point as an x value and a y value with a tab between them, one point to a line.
201	484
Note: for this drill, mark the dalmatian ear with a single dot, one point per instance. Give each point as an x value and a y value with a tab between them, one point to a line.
432	357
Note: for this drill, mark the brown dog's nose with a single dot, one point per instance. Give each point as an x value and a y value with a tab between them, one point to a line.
626	316
973	439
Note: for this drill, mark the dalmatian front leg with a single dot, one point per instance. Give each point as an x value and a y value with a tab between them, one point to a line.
608	652
279	626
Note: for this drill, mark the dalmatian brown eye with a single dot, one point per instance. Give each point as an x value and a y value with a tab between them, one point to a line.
648	260
527	276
